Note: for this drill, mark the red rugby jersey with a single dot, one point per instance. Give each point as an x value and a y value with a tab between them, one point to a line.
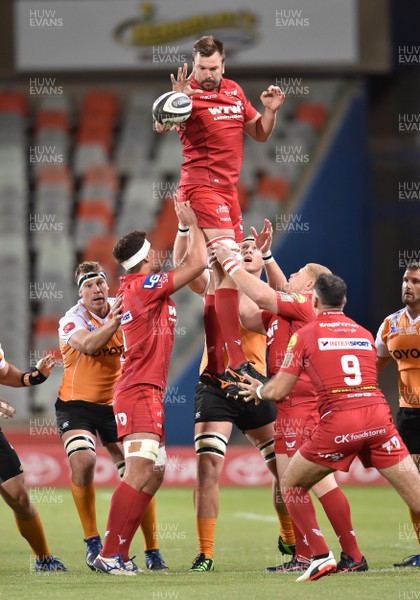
148	325
340	358
212	137
298	308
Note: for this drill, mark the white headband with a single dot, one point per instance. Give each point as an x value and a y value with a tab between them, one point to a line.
86	276
137	257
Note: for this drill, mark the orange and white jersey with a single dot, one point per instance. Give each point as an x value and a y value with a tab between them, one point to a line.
399	337
88	377
2	359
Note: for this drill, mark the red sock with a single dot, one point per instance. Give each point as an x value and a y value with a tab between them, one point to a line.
125	515
337	509
302	511
227	310
302	547
214	339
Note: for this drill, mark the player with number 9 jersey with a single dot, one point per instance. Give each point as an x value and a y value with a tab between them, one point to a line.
339	356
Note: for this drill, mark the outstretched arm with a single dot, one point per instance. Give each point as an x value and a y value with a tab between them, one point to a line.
261	293
263	240
13	377
200	284
195	260
261	127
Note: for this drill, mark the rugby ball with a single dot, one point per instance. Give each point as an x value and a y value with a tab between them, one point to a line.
172	108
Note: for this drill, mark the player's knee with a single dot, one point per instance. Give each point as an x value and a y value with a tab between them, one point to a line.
141	448
159	468
20	503
228	241
211	445
267	450
78	443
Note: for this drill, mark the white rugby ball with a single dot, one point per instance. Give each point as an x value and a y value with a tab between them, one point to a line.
172	108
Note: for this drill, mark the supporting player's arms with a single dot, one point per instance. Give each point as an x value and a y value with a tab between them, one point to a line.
275	277
195	260
90	342
250	315
277	388
200	284
257	290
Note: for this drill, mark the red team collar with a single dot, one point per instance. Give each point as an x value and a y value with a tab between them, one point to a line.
330	312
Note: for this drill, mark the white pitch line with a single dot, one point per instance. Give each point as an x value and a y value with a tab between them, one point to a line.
256	517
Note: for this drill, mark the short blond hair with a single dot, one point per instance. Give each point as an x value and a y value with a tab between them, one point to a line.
315	270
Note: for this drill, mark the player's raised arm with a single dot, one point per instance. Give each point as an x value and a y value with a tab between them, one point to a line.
261	127
200	284
195	260
257	290
275	277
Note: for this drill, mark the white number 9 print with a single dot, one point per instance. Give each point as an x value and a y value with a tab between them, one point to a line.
351	366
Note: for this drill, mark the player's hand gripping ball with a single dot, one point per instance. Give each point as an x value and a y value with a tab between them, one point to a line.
172	108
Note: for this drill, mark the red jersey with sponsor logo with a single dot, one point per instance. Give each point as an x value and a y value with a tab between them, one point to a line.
148	325
299	311
212	137
340	358
399	337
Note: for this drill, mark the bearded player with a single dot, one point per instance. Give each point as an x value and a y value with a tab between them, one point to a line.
212	141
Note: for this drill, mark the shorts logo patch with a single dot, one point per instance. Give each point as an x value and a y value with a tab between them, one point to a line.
121	418
360	435
335	456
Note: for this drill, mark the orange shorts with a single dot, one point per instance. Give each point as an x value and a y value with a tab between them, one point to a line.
214	209
139	409
367	432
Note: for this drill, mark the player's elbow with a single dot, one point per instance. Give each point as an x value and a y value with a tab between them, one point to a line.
262	298
199	266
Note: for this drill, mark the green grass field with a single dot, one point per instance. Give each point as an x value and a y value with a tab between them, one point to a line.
245	544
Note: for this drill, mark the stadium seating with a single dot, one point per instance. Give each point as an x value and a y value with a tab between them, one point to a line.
98	170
